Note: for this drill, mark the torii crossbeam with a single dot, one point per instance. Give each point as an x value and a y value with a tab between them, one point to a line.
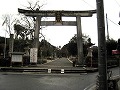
52	13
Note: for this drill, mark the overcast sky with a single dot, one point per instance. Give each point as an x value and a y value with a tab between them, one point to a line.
60	35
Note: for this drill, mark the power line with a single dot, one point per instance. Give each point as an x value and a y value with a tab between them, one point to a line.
88	4
117	3
112	21
107	18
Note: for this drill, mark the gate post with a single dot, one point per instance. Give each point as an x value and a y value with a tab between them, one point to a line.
11	43
79	41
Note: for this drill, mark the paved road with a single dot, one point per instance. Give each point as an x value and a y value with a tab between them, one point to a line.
14	81
45	81
60	62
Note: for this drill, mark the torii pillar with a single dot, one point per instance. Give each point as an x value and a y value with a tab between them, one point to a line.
36	34
34	50
79	41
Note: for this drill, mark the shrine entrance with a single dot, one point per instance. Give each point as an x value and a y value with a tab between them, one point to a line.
58	22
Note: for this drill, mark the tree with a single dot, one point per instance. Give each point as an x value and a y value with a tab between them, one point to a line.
64	51
22	32
24	27
28	22
9	20
46	48
111	44
72	45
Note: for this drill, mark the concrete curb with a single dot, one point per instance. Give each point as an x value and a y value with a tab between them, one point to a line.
47	70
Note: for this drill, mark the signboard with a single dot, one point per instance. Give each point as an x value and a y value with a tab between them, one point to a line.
16	58
115	52
33	55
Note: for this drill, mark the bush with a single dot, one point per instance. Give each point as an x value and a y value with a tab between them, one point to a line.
26	60
41	61
5	62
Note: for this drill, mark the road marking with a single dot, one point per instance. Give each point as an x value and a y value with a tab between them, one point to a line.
69	60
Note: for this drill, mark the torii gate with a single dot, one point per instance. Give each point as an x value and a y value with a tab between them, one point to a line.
58	15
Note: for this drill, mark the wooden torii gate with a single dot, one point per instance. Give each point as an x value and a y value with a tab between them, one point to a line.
58	16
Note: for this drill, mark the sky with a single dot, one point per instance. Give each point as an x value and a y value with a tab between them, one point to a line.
61	35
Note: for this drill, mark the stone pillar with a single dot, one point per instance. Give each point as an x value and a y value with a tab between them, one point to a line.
11	43
79	41
36	34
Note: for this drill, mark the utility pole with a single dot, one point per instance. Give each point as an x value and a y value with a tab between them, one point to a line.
102	62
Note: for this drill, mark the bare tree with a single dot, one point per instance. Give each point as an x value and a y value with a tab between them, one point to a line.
9	20
35	6
28	22
28	27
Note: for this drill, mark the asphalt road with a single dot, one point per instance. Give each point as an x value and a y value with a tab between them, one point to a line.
10	81
16	81
27	81
60	62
